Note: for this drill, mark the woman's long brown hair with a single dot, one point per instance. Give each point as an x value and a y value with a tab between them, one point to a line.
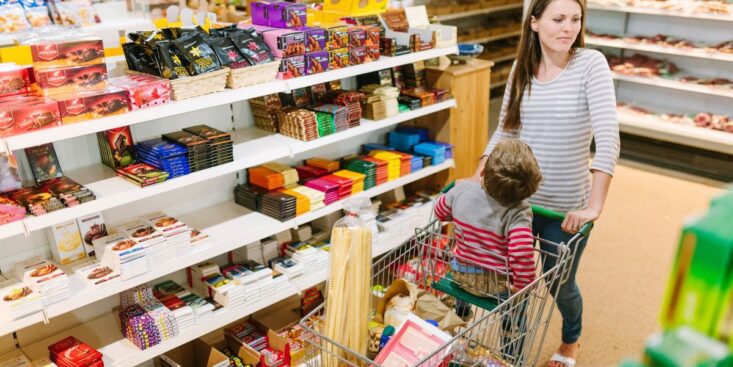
528	61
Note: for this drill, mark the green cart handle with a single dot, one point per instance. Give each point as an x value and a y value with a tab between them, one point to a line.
543	212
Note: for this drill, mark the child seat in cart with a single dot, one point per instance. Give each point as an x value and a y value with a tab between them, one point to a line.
504	327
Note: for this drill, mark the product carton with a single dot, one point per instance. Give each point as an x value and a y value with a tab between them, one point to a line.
66	243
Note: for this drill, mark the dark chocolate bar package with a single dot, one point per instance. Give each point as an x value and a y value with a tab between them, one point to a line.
224	31
139	37
358	55
200	56
170	61
228	54
252	47
316	62
138	60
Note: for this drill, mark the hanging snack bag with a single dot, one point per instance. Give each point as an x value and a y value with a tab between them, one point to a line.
200	57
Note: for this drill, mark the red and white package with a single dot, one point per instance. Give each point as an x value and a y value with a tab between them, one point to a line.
15	80
21	114
144	90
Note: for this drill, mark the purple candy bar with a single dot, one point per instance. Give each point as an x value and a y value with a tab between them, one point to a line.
287	15
316	62
315	39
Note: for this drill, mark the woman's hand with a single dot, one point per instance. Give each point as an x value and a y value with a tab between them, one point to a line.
575	220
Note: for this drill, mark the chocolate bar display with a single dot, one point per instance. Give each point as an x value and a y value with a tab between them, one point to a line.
91	105
142	174
66	53
22	114
68	190
315	39
338	37
44	162
316	62
285	42
72	352
265	112
15	80
299	124
199	149
35	200
72	79
339	58
163	155
116	147
292	67
144	90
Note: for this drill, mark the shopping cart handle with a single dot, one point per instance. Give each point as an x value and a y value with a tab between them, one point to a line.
448	187
555	215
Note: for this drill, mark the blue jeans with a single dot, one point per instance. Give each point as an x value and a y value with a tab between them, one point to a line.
568	299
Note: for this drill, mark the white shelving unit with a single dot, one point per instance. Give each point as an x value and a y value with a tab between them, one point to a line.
667	95
484	11
202	199
228	96
252	147
662	12
652	127
673	84
103	333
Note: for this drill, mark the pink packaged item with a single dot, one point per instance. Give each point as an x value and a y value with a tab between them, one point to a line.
285	42
145	90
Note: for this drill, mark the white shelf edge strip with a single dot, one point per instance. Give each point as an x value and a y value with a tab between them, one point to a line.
652	127
698	53
471	13
673	84
639	10
265	225
134	193
227	96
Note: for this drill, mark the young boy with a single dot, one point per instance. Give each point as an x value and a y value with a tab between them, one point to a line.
493	223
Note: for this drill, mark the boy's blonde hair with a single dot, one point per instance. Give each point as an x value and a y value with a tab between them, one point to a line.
511	173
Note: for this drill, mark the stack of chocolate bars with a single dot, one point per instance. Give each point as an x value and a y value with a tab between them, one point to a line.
298	123
164	155
221	146
198	149
339	115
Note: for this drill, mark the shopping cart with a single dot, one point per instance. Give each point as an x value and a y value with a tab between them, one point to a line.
504	327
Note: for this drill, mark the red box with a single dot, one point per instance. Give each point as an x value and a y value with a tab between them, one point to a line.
23	114
144	90
72	352
72	79
67	53
15	80
373	34
85	106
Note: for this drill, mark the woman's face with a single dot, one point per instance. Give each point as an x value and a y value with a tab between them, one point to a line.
559	25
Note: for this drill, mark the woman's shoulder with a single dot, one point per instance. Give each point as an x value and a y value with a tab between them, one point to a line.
589	57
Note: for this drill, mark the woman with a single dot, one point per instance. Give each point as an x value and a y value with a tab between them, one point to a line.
561	97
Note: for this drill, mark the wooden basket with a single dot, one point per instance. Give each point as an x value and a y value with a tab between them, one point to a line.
194	86
251	75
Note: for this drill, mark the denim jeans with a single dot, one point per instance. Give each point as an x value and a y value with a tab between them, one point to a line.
568	299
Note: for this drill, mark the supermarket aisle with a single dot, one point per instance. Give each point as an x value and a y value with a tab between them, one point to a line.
628	259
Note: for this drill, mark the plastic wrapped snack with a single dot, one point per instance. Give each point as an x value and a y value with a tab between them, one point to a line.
12	18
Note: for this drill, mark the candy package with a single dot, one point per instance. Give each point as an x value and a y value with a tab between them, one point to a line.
14	80
70	52
170	62
200	57
12	18
227	52
253	47
72	79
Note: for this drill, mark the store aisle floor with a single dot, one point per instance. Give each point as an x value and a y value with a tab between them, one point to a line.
626	264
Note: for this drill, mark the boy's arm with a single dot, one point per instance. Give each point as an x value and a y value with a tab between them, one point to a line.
521	251
444	206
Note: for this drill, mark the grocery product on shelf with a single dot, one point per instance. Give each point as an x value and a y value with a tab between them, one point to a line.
703	119
72	352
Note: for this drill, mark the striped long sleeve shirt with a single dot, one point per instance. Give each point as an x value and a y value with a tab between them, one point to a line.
560	118
489	235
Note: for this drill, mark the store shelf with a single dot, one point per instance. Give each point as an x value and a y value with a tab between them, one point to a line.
252	147
377	190
497	37
230	218
673	84
504	58
668	13
471	13
383	63
654	128
104	333
210	100
619	43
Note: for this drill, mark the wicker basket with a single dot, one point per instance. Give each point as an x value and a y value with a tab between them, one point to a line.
262	73
194	86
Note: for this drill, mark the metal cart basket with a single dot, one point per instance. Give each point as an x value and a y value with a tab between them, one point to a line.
505	326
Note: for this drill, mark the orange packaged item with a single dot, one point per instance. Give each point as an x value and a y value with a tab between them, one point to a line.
265	178
327	164
22	114
302	202
72	79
